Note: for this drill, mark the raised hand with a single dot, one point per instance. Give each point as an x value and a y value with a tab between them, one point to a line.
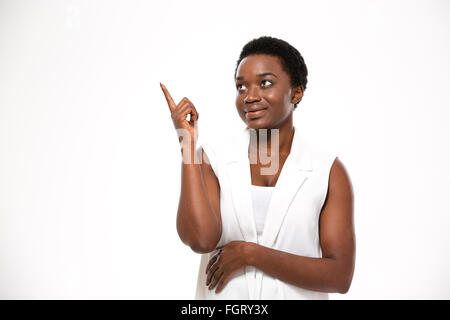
179	114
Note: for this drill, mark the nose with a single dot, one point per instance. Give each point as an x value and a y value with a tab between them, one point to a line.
252	95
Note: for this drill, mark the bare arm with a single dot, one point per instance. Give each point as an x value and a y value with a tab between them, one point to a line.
199	222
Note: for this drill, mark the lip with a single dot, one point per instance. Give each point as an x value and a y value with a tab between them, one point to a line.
255	114
254	107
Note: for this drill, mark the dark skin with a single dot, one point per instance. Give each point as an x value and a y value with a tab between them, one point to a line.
199	222
275	93
333	272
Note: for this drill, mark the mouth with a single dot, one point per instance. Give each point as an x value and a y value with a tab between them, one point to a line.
255	114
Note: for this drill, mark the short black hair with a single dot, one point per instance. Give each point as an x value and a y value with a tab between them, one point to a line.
291	60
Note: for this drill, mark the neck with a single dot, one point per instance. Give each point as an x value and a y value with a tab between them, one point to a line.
285	136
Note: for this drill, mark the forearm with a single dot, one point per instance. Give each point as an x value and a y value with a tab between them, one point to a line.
317	274
197	223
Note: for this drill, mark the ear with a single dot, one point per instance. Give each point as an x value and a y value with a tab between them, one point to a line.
297	94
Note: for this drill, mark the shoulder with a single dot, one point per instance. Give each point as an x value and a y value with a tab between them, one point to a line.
340	183
328	164
221	147
322	158
215	150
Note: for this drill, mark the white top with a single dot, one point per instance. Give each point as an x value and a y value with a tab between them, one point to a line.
291	221
261	198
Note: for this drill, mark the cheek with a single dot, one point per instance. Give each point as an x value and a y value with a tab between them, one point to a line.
287	98
239	100
239	104
275	97
276	100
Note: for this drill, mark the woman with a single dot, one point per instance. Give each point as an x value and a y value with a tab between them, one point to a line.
284	231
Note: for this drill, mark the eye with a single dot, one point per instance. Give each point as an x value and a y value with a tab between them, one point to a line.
265	80
238	87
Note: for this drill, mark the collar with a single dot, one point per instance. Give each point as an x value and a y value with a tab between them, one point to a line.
300	153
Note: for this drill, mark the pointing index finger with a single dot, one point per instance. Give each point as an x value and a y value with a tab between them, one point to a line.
169	99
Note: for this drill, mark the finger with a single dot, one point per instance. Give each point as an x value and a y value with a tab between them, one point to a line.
217	275
218	253
189	109
223	280
183	103
169	99
180	108
193	113
211	261
183	111
212	272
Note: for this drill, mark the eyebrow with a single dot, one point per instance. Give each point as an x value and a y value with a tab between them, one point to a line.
260	75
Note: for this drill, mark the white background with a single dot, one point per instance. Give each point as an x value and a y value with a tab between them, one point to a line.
90	162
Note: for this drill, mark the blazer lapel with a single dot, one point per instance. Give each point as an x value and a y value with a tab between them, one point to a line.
295	172
238	170
296	169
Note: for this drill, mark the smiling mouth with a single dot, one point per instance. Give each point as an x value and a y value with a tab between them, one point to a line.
255	114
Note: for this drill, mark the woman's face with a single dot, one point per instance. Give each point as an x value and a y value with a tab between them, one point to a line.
262	84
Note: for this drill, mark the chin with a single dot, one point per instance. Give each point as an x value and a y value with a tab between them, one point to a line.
254	124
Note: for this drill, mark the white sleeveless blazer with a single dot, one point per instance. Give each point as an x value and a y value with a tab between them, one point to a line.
292	220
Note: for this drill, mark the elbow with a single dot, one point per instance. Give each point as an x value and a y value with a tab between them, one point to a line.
204	247
344	285
343	276
200	242
203	244
199	246
343	289
200	249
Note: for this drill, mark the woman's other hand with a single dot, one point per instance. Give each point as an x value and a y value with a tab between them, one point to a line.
225	263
